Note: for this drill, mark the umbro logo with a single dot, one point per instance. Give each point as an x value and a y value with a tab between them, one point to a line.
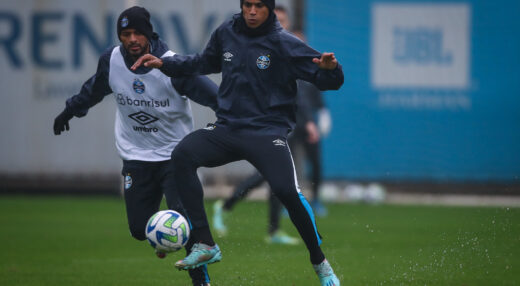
210	127
227	56
279	142
143	118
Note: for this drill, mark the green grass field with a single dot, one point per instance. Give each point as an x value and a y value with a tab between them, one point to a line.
85	241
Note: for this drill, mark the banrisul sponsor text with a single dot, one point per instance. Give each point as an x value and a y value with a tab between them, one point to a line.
125	100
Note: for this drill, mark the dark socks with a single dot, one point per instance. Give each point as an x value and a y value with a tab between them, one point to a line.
203	235
317	258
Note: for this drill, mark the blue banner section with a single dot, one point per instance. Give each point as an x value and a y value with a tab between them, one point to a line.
432	89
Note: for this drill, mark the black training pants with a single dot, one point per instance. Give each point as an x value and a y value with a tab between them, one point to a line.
269	154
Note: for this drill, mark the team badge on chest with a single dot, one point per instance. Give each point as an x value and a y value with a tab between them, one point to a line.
263	62
138	86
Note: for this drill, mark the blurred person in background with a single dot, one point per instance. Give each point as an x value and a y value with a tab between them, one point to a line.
306	134
260	63
152	116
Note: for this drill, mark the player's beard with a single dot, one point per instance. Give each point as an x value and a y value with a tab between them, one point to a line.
137	53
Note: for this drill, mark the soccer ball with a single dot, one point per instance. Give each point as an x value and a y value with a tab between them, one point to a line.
167	231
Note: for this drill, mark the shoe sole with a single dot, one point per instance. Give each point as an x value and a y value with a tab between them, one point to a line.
215	259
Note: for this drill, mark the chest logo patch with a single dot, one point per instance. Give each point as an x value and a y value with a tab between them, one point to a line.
138	86
263	62
227	56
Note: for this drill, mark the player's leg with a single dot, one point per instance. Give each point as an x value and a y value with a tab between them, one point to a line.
275	234
272	157
199	276
251	182
142	195
312	152
207	148
220	208
275	207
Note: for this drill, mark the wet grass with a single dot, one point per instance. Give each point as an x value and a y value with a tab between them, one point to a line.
85	241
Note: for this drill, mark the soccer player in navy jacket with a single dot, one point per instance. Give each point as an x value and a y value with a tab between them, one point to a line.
260	63
153	115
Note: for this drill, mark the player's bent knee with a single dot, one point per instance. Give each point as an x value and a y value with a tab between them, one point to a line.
180	160
285	192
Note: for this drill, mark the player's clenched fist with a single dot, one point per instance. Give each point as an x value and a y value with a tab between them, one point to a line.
149	61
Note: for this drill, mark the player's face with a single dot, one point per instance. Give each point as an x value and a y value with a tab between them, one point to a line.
282	18
254	12
135	43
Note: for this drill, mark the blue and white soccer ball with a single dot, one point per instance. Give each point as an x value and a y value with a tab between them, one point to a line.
167	231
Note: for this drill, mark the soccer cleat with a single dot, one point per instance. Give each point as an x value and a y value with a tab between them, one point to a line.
319	209
284	212
160	254
280	237
201	254
218	218
326	275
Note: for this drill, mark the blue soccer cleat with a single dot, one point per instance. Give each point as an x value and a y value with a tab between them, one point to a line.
326	275
280	237
218	218
201	254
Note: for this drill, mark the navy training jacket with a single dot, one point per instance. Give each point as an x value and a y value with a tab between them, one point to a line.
258	89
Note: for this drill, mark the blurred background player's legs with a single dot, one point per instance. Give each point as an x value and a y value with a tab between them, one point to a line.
221	208
251	182
313	156
275	234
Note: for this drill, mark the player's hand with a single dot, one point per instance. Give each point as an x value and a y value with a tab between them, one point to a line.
324	121
149	61
327	61
61	123
313	135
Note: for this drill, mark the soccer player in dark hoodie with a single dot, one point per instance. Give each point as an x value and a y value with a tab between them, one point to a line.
153	115
260	63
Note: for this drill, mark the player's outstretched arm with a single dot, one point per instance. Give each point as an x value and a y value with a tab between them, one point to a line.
149	61
327	61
